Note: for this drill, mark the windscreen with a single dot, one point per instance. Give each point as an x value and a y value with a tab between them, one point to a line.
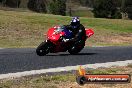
59	29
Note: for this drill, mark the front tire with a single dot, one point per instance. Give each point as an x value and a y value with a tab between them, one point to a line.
43	49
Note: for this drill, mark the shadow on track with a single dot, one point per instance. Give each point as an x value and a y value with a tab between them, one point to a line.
79	54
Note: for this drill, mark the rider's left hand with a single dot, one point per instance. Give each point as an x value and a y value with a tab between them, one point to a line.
66	40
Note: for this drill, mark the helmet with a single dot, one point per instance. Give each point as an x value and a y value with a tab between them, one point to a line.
75	22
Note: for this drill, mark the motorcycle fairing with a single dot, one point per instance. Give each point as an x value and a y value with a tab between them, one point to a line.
89	32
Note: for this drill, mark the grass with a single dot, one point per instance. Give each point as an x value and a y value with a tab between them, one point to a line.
82	13
129	65
104	71
26	29
43	81
65	80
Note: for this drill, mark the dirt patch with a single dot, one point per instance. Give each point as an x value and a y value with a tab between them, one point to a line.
112	39
122	38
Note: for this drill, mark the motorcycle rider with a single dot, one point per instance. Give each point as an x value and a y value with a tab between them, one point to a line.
78	30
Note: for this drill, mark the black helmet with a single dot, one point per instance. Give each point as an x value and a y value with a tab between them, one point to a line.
75	22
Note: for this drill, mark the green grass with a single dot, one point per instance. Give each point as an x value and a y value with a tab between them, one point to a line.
117	25
82	13
26	29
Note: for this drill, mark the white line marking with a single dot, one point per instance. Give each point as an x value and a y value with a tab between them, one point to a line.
100	46
67	68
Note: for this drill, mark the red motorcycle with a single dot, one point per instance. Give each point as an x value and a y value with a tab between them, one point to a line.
54	42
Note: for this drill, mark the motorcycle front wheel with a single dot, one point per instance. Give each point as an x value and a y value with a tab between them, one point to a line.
43	48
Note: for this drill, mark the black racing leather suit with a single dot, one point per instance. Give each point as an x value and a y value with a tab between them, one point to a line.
79	33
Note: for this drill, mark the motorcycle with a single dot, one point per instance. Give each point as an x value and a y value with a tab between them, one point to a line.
54	42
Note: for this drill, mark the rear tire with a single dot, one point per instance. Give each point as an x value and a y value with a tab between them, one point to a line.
43	48
76	48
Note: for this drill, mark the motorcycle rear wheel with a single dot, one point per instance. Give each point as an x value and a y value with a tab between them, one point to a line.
43	48
76	48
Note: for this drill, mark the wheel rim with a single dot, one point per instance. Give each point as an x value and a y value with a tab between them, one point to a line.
40	51
43	48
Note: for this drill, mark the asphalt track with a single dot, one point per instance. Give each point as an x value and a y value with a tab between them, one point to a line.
25	59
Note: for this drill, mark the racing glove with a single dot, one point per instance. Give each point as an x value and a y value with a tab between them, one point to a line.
65	40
